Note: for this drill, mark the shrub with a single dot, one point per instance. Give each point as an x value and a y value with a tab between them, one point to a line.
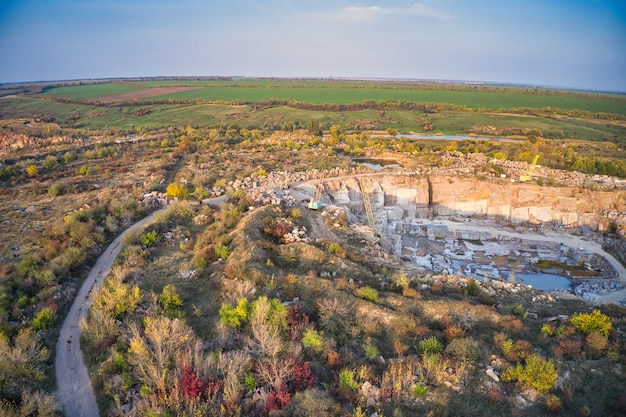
536	373
56	190
334	248
221	251
84	170
472	288
453	331
32	170
367	293
595	344
44	319
177	190
430	345
170	301
371	352
595	321
235	317
150	238
313	403
553	404
419	390
347	380
548	330
464	349
568	349
517	310
50	162
401	280
312	340
302	377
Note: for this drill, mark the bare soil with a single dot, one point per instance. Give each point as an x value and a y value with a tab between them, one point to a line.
146	93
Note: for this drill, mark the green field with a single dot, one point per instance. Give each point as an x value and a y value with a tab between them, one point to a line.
478	109
81	92
342	95
348	92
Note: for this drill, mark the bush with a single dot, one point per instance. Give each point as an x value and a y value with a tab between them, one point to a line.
401	280
313	403
553	404
367	293
347	380
371	352
536	373
517	310
177	190
170	301
334	248
312	340
595	321
430	345
472	288
235	317
44	319
32	170
84	170
453	331
221	251
56	190
150	238
50	162
464	349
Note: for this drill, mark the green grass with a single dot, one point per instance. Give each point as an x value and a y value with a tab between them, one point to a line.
89	91
347	92
346	95
86	116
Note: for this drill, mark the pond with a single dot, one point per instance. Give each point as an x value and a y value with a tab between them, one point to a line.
377	164
546	282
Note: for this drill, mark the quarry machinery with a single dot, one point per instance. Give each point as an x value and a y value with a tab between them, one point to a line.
316	203
528	175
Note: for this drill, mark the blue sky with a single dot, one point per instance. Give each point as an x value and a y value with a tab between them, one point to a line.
562	43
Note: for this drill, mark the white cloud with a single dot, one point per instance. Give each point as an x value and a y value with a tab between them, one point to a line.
356	13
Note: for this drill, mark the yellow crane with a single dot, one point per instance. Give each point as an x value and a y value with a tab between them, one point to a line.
528	175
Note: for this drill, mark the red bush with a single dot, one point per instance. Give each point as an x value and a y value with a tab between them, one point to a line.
278	399
296	320
192	385
303	378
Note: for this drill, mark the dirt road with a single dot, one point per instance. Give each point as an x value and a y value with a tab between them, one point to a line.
74	391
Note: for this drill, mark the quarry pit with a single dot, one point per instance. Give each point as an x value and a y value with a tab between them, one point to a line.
490	230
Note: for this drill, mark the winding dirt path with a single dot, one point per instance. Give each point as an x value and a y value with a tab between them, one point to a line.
74	392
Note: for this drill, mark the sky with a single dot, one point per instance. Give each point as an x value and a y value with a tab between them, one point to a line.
558	43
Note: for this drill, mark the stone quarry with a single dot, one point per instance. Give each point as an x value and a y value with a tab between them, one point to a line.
492	230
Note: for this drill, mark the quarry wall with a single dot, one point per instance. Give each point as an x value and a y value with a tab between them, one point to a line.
397	197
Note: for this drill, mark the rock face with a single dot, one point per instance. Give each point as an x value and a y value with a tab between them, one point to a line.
394	197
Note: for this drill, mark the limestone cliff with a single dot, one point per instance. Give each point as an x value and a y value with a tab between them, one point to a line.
394	197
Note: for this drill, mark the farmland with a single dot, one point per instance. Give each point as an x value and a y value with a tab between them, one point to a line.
268	104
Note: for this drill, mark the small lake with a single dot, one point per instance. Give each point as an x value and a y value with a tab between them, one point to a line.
543	281
377	164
